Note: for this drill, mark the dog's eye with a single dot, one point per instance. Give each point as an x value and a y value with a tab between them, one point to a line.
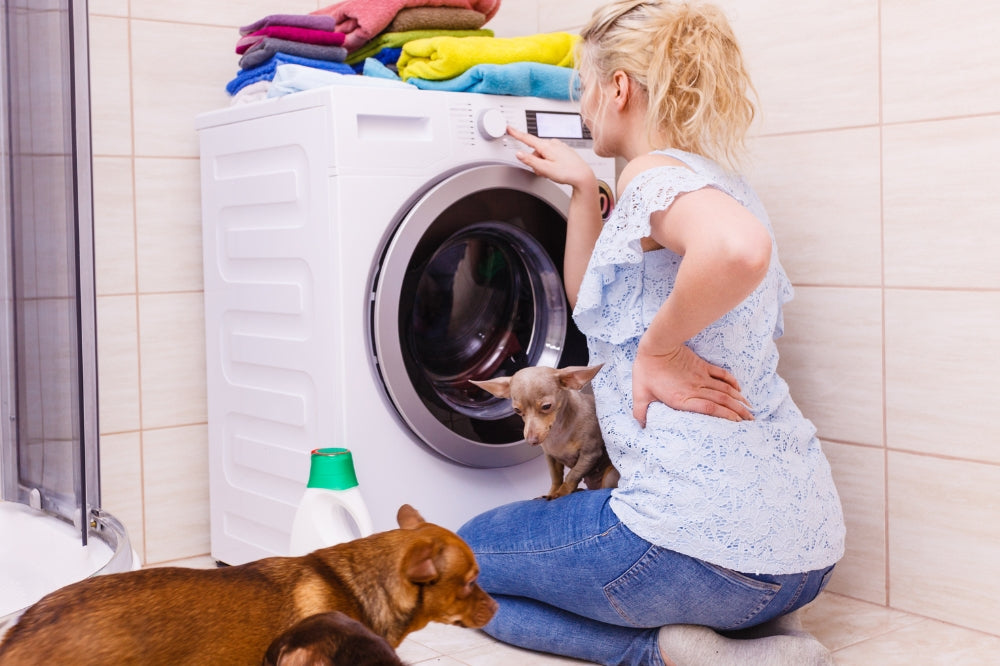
547	406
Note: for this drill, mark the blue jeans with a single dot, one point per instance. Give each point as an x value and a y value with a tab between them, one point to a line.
571	579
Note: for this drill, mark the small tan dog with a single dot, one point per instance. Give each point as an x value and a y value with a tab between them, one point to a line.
393	582
562	419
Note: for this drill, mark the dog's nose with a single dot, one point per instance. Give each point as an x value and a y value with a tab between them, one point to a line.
483	612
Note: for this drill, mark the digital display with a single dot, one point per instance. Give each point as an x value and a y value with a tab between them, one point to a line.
556	125
559	125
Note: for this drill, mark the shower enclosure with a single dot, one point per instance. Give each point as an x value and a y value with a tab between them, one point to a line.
52	529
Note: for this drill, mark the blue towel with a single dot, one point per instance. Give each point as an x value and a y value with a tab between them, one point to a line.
525	79
265	71
387	56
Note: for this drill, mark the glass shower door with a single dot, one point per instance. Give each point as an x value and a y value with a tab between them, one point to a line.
48	387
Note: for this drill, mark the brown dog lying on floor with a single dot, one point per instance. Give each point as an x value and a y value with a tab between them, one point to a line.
393	582
330	639
562	419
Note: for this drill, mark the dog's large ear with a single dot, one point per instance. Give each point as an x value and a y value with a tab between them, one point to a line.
500	387
576	376
409	518
418	565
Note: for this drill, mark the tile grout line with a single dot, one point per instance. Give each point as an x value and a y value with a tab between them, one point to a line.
885	382
135	259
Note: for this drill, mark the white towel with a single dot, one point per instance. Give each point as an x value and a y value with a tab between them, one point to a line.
295	78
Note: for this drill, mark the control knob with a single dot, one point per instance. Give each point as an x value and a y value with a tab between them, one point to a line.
491	124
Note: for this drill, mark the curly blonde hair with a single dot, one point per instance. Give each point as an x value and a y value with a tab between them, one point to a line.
686	57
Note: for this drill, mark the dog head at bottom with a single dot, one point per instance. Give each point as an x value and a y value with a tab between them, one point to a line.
330	639
442	563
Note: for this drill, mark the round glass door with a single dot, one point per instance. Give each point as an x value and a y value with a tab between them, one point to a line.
487	303
469	288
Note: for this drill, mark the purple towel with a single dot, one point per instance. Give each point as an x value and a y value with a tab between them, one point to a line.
311	21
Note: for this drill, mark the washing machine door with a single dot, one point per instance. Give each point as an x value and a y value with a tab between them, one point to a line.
470	288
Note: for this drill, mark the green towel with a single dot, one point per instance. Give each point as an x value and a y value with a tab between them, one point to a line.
388	40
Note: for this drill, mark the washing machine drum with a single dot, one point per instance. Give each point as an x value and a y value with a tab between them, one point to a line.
469	288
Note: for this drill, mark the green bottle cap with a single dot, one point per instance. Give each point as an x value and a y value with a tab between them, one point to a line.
332	469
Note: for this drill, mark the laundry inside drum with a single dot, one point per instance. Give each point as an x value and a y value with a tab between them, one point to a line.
473	316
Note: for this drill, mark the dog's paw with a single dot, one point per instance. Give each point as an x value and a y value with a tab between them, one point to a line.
565	489
561	491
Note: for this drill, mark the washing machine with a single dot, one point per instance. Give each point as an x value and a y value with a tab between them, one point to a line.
367	252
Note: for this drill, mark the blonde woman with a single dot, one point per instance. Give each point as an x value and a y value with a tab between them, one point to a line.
726	518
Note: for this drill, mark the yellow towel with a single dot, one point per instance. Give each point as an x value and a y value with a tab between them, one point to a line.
392	40
439	58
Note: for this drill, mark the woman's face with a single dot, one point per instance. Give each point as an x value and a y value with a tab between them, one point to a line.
588	92
592	107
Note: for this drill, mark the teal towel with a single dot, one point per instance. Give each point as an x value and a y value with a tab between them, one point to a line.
376	69
524	79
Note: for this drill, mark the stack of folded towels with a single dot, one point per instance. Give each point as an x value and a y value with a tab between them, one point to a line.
533	66
430	44
363	20
413	23
302	39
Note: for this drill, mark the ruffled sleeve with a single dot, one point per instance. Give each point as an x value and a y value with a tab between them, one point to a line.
607	305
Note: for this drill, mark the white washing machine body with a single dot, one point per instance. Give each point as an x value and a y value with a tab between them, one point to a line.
329	218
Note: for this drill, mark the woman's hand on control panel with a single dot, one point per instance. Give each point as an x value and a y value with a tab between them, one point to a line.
553	159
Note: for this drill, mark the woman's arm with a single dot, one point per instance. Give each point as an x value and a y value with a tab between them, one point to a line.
556	161
725	254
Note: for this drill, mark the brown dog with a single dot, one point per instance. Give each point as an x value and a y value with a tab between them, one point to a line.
562	419
393	582
330	639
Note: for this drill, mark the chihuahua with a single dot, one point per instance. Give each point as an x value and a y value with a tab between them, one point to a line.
560	418
393	582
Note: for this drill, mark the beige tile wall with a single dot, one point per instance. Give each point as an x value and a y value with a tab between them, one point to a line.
875	154
154	67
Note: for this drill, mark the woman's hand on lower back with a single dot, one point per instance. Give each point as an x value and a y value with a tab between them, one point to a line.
683	380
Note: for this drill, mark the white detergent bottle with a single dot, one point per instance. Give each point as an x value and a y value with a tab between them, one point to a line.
332	510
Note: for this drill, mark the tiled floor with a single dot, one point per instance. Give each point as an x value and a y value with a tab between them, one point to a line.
858	633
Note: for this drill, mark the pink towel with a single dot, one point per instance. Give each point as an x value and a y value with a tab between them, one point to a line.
361	20
293	34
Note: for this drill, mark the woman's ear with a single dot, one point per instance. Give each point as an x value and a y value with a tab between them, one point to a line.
623	89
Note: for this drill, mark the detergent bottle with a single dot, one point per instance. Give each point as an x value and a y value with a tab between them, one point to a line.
332	510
